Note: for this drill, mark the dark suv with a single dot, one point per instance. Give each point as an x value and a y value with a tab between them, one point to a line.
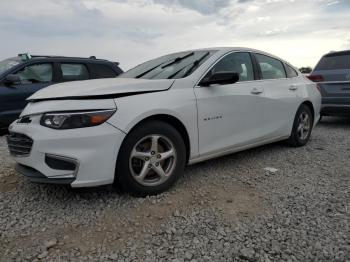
332	73
22	76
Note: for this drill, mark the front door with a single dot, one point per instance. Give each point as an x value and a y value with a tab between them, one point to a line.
230	115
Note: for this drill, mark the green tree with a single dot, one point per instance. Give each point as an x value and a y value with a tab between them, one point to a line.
305	70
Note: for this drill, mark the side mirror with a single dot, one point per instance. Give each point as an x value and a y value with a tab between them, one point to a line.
12	80
221	79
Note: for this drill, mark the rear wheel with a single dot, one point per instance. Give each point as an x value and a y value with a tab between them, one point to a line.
302	127
151	159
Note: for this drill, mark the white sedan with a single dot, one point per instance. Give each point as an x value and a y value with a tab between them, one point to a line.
140	130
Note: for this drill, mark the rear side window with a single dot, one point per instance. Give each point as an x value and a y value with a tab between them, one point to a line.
334	62
39	73
72	72
271	68
103	71
290	71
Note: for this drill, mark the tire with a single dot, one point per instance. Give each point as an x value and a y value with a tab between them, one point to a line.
299	137
151	159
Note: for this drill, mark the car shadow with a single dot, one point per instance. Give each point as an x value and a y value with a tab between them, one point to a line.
335	122
192	172
240	157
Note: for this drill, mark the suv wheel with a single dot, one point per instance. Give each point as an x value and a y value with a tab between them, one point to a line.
151	159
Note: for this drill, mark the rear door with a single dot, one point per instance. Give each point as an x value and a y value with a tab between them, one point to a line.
281	96
33	77
333	73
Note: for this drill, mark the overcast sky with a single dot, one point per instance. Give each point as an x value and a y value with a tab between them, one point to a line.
132	31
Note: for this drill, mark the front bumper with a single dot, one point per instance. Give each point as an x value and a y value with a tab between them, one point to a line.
37	177
93	151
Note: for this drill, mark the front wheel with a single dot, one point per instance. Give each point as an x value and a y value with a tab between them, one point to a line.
302	127
151	159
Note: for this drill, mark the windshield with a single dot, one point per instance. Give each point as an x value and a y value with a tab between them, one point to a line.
171	66
7	64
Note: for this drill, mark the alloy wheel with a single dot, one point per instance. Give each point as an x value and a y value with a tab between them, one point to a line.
152	160
304	125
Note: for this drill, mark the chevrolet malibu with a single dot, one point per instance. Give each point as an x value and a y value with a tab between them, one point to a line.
140	130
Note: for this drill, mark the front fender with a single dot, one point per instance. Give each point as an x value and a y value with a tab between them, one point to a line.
134	109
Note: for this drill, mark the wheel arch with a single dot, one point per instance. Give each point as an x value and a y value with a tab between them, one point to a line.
174	122
311	106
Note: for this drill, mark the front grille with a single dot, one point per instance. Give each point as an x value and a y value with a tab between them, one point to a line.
19	144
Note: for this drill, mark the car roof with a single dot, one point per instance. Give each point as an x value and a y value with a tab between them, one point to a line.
43	57
337	53
228	49
233	49
15	58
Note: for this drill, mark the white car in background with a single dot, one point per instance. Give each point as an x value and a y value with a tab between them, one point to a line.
139	131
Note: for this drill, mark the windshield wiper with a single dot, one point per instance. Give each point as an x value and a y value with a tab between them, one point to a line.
149	70
178	59
195	64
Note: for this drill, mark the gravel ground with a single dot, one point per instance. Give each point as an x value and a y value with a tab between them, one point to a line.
227	209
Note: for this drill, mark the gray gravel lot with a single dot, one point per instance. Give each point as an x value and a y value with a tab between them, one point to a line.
227	209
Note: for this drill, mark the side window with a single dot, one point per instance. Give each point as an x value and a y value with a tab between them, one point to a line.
270	68
290	71
103	71
72	72
240	63
39	73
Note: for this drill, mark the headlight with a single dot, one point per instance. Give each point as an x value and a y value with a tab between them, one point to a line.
69	120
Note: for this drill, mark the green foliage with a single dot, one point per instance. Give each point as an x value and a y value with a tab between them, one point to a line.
305	70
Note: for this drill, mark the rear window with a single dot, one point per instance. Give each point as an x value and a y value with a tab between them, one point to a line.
290	71
271	68
334	62
103	71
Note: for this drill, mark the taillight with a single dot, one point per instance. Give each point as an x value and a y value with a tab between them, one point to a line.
316	78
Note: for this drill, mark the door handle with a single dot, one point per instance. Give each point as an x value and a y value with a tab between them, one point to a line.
293	87
256	91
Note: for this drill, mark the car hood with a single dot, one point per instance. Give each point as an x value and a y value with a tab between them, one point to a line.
101	88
